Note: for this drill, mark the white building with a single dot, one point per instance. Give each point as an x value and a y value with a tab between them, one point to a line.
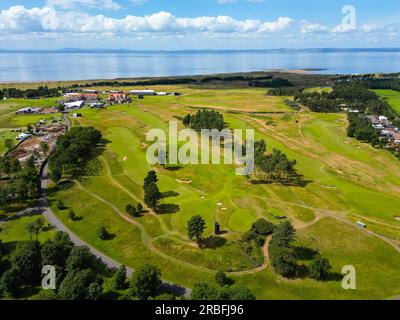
73	105
383	119
29	110
143	92
23	136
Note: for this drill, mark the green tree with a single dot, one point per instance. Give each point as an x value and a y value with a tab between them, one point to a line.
319	268
146	282
151	177
95	290
119	279
35	227
221	279
80	285
196	226
152	195
80	258
262	227
71	215
103	233
205	291
237	293
26	260
284	234
15	166
55	252
10	283
56	174
283	260
131	210
139	207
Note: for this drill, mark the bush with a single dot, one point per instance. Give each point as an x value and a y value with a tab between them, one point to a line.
221	279
119	279
9	283
71	215
319	268
103	233
237	293
81	285
131	210
283	260
146	282
205	291
263	227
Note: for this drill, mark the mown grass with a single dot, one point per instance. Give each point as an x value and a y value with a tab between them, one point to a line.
341	177
393	97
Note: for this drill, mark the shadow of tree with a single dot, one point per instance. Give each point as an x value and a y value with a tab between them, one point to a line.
304	253
173	168
169	194
174	289
166	208
334	276
292	180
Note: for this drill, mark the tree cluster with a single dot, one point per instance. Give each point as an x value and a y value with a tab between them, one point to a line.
222	290
274	167
361	128
281	251
274	83
40	92
352	94
22	182
283	256
77	270
259	231
204	119
284	91
73	151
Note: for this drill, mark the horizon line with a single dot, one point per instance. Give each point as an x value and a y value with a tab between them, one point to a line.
203	50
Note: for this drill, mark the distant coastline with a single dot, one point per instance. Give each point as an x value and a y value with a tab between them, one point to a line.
277	50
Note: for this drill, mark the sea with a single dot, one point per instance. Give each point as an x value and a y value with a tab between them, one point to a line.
70	64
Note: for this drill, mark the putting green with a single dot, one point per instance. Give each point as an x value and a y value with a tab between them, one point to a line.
342	178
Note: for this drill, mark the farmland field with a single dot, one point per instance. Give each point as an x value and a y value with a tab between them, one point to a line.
344	181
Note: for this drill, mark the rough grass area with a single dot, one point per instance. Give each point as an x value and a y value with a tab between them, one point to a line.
342	179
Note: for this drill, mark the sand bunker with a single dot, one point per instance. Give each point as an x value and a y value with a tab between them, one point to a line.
184	181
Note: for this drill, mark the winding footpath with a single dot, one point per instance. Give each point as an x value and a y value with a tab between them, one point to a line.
44	208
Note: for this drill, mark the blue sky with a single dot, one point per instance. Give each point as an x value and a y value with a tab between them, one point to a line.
198	24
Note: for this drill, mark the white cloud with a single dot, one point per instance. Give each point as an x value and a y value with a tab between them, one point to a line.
278	25
71	4
344	28
62	24
311	27
48	19
369	27
225	1
138	2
